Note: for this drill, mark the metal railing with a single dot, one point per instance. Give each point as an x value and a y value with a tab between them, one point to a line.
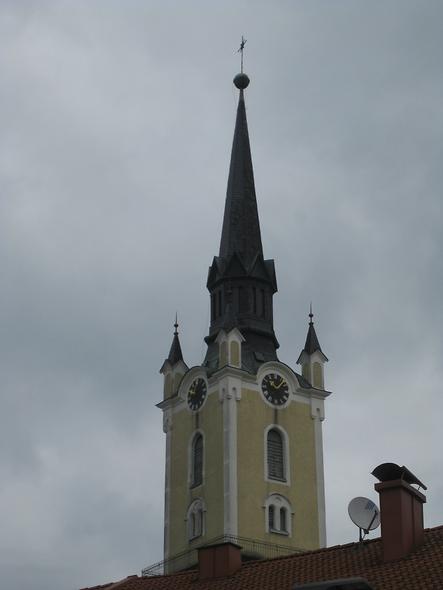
251	549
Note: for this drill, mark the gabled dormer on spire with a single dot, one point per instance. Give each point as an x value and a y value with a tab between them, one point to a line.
174	367
240	281
312	358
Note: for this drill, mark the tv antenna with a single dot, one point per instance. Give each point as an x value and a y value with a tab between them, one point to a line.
364	514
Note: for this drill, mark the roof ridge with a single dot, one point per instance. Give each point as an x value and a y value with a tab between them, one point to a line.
312	551
328	549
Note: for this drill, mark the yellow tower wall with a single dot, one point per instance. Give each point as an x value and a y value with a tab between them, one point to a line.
254	415
209	421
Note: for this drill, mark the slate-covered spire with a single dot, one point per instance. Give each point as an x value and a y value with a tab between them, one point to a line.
175	353
240	281
312	344
241	228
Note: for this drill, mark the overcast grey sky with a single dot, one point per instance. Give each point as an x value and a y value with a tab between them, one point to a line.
116	127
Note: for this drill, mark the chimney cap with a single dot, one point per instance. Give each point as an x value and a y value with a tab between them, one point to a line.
391	471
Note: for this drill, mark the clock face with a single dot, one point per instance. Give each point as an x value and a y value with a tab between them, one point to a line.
197	393
275	389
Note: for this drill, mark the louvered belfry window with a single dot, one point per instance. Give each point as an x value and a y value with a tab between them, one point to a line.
275	455
197	460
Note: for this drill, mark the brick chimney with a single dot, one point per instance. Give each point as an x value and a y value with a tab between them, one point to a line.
401	510
218	561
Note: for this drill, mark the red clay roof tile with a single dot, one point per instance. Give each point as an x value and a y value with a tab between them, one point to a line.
421	570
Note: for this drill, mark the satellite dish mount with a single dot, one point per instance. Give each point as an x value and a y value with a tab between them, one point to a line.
364	514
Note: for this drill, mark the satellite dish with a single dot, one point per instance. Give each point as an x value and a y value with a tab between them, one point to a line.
365	514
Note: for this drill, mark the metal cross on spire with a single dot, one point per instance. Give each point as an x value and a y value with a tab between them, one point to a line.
240	50
176	325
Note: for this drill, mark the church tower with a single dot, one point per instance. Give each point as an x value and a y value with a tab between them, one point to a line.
244	456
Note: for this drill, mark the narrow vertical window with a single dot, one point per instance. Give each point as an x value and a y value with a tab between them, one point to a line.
263	303
283	526
271	517
197	460
254	300
275	455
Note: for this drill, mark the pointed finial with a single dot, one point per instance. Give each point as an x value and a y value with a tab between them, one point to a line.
311	315
176	325
241	80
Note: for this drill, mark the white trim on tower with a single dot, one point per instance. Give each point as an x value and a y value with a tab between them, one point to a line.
230	390
318	415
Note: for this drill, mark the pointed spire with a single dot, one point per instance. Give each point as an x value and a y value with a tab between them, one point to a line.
241	228
312	344
240	281
175	353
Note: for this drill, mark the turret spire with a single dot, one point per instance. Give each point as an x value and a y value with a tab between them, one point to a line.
312	344
175	353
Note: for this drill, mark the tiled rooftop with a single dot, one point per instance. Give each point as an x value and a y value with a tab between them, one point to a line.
421	570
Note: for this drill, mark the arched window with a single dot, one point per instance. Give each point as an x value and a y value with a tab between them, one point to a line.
197	460
278	515
283	526
271	517
275	455
195	519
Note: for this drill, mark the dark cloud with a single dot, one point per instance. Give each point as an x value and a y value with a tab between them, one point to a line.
117	122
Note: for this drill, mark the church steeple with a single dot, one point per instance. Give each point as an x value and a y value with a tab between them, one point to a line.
240	281
241	227
242	426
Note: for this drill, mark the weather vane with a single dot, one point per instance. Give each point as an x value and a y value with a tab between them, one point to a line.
240	50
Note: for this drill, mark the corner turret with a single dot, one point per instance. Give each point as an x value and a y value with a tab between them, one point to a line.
312	358
174	367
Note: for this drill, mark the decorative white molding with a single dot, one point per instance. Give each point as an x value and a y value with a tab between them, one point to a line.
229	388
321	504
233	335
197	509
317	408
167	419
